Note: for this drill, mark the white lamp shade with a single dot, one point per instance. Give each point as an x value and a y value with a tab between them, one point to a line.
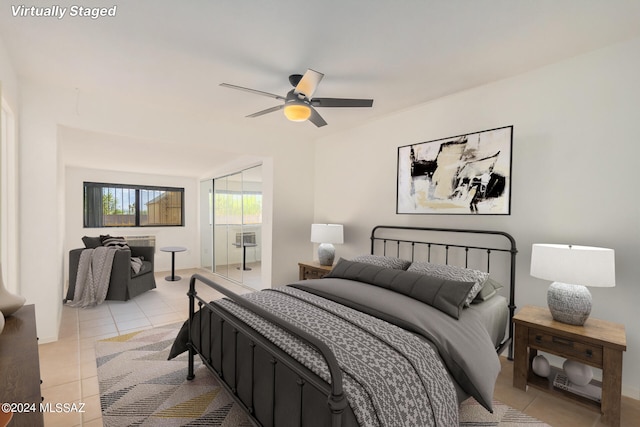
577	265
327	233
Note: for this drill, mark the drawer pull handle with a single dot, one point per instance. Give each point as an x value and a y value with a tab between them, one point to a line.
539	339
589	353
562	341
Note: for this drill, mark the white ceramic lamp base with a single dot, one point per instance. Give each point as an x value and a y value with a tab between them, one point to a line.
326	253
569	304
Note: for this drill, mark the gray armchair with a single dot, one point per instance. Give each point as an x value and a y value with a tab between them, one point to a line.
124	284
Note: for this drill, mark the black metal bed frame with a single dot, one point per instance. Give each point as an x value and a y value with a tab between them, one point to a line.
248	364
337	401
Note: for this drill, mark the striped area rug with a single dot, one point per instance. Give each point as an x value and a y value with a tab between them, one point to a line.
140	387
472	414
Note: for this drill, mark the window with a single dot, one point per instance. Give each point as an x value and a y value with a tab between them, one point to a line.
118	205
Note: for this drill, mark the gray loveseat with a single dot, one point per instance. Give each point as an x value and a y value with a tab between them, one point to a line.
124	283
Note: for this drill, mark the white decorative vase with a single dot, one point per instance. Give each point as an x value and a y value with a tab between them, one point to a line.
578	373
540	366
9	303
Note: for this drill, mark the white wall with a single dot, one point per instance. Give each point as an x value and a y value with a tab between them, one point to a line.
46	111
186	236
41	223
9	213
575	164
8	78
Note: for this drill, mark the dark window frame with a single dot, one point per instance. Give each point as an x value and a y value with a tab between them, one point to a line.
93	213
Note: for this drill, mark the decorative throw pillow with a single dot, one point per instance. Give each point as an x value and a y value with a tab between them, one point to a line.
383	261
453	273
489	289
446	295
115	242
91	242
136	264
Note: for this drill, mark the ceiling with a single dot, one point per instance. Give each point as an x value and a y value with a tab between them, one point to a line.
400	54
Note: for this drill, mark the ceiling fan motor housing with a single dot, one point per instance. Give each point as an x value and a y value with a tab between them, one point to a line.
297	97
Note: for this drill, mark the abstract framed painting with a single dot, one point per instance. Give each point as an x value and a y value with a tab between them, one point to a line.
466	174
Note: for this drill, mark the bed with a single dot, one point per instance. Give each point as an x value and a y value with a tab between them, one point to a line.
399	336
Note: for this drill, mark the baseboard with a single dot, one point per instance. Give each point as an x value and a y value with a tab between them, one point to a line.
632	392
47	340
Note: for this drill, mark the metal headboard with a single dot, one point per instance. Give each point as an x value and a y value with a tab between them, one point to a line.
401	246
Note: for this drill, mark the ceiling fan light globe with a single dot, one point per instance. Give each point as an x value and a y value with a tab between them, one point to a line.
297	112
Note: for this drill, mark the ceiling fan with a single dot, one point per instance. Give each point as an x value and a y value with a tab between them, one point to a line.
299	104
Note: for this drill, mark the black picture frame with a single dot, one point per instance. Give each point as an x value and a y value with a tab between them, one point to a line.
466	174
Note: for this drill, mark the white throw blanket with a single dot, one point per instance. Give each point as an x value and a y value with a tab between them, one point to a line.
94	273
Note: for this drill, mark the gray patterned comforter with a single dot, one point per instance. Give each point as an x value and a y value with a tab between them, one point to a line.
391	377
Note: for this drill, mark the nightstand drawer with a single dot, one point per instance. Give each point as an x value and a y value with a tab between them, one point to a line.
566	347
313	270
310	273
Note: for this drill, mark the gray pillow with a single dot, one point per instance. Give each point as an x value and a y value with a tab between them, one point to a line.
489	289
383	261
91	242
446	295
453	273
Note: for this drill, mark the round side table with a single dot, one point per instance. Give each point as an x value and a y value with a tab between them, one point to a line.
173	250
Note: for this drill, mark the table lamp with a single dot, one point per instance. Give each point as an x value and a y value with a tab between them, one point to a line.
572	268
326	235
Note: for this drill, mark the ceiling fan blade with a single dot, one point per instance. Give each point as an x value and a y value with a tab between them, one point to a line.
341	102
257	92
316	119
308	83
267	111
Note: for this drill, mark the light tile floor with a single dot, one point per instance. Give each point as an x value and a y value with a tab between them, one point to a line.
69	374
68	366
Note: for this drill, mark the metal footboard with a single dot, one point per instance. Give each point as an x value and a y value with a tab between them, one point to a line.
250	367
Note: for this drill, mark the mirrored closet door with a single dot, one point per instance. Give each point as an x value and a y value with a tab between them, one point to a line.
235	209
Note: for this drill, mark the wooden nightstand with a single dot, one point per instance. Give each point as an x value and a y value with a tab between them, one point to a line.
313	270
598	343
